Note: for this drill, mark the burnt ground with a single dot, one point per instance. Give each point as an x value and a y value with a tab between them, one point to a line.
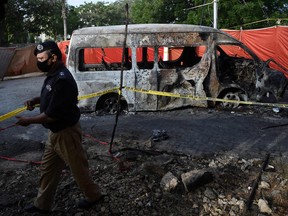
230	145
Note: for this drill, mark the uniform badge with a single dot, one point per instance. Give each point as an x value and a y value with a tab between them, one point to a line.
48	87
40	47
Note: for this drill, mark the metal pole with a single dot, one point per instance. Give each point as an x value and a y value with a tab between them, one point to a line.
64	17
121	81
215	10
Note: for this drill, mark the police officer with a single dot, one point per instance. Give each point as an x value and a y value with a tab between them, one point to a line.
60	114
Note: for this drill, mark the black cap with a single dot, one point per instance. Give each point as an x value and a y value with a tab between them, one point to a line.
48	45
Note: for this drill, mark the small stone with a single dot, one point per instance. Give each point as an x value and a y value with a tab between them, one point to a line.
195	179
264	185
195	206
232	213
221	202
263	206
210	194
233	201
241	205
205	200
169	182
212	164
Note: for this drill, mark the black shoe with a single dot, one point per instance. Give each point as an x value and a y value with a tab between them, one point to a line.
33	209
85	204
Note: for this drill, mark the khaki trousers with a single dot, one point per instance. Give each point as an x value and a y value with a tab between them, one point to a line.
62	148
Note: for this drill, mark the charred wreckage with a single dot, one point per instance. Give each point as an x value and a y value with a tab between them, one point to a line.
175	58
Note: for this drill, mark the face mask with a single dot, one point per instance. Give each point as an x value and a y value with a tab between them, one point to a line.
43	66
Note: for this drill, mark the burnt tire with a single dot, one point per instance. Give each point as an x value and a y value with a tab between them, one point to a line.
109	104
236	96
230	96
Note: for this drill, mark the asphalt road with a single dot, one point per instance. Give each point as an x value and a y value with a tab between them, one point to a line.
194	131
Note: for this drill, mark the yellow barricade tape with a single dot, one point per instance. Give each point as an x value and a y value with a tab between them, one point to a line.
12	113
97	93
169	94
19	110
154	92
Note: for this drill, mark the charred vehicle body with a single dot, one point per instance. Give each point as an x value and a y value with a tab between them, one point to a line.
183	59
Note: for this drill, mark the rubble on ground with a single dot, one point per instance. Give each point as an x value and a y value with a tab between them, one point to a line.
147	182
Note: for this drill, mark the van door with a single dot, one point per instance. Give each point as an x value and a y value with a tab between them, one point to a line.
183	72
146	78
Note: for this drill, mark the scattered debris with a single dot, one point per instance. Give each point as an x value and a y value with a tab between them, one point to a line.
276	109
133	177
215	185
195	179
169	182
158	135
263	206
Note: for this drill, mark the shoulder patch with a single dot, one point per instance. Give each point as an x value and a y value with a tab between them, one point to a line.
62	75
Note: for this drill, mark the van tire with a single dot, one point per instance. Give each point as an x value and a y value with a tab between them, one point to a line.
108	104
231	96
236	95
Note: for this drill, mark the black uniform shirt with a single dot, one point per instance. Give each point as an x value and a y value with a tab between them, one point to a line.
58	99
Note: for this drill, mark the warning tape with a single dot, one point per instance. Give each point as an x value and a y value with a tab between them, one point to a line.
159	93
12	113
97	93
22	109
169	94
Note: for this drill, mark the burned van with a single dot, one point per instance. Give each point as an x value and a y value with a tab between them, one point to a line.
174	58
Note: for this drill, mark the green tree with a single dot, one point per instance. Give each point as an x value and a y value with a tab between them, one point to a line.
231	13
165	11
14	29
73	20
25	19
146	11
101	13
116	12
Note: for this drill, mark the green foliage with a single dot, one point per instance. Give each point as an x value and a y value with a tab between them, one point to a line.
26	19
159	11
15	31
73	21
231	13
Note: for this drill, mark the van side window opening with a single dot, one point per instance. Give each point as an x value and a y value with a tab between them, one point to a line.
109	59
180	57
104	59
145	57
238	67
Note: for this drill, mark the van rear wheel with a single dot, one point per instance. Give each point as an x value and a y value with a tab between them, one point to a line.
108	104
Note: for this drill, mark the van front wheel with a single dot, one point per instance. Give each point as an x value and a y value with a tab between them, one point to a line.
235	96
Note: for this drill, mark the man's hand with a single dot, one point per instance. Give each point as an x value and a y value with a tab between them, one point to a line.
30	104
23	121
